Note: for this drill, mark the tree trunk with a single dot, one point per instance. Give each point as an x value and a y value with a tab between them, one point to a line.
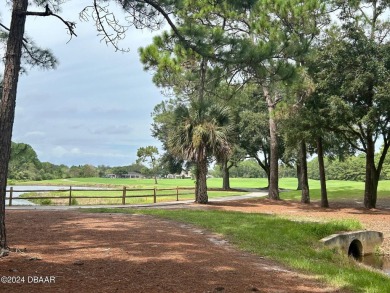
8	101
299	175
201	189
264	166
371	186
225	176
268	179
196	182
304	178
273	190
321	166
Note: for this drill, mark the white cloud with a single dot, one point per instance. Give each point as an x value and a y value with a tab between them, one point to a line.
35	133
59	151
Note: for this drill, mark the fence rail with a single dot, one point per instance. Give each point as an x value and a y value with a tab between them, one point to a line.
124	193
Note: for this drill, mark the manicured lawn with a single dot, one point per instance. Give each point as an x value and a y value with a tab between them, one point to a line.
138	183
337	189
115	182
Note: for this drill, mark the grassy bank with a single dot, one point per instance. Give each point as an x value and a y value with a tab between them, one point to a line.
295	244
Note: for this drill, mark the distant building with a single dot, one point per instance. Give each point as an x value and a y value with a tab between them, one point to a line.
182	175
110	176
132	175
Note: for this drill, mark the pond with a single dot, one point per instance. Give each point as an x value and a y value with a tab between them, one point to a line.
16	193
18	202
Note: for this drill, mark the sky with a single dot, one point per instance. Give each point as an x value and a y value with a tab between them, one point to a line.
95	108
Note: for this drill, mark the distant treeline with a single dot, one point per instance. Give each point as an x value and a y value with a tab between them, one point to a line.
351	168
25	165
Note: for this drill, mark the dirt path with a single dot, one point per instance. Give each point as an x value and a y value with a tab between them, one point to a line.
68	251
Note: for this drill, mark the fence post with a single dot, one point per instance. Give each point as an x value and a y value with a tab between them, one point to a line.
124	195
70	195
177	193
154	195
11	191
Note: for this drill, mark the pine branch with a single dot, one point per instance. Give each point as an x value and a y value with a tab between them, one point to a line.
38	61
7	29
4	27
69	24
100	18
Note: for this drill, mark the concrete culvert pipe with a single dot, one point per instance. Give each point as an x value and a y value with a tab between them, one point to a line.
355	249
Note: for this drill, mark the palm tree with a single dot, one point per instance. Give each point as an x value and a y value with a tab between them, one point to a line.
202	130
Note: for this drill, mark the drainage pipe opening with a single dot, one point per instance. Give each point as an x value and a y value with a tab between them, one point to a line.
355	249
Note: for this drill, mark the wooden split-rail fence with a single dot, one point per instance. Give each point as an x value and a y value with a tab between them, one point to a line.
124	193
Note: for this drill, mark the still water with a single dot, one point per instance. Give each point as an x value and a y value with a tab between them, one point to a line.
16	193
377	261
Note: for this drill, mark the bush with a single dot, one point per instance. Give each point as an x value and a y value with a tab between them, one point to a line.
45	202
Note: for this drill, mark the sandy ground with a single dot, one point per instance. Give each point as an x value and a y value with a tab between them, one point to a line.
69	251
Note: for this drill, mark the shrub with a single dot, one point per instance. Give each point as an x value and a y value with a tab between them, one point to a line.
45	201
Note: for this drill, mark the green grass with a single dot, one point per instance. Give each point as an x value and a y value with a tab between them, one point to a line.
337	189
295	244
115	182
340	190
136	183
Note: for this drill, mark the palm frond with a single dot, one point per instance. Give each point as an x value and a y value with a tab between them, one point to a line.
201	129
